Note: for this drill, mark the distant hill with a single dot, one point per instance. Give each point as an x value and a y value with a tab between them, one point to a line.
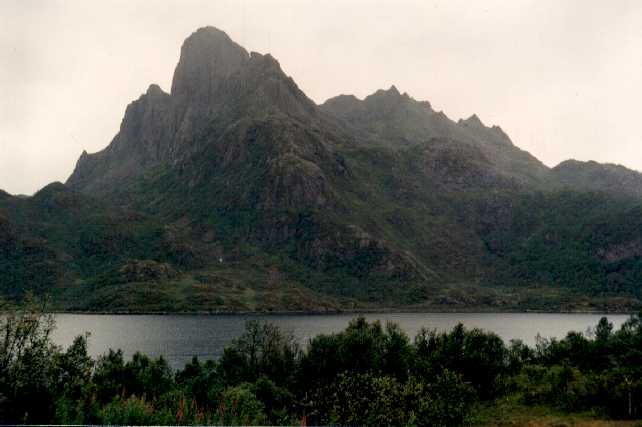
236	192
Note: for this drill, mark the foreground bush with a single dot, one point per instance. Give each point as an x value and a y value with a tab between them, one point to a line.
368	374
364	399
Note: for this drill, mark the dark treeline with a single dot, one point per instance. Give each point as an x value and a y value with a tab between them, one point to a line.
368	374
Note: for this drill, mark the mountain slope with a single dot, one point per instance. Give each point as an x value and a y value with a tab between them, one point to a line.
236	192
593	176
390	119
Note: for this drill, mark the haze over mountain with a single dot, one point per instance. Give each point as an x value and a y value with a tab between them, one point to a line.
235	191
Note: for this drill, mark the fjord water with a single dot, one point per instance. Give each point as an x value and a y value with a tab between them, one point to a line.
179	337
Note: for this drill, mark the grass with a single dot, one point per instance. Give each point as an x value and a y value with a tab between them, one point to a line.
508	411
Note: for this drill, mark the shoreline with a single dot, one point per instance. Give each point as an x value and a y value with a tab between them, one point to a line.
332	312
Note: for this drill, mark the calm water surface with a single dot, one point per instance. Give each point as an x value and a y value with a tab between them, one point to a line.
179	337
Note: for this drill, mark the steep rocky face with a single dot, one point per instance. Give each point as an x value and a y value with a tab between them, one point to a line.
145	139
215	80
262	88
208	58
593	176
270	163
216	77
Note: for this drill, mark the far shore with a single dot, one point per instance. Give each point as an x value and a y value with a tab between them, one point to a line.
476	310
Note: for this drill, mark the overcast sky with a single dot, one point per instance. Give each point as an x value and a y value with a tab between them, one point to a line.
562	78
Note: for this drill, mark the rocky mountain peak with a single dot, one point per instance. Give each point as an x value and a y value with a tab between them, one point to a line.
214	78
472	121
261	69
392	94
207	56
267	61
155	90
342	104
493	134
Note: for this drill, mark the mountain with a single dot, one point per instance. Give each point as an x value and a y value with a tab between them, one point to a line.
235	191
593	176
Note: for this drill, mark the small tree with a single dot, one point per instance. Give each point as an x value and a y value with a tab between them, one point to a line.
26	362
263	350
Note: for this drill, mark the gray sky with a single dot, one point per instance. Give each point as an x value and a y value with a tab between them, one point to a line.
562	78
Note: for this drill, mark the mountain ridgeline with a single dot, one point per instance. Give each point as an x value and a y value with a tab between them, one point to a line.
235	191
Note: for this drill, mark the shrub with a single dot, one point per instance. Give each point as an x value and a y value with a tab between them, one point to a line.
129	411
239	406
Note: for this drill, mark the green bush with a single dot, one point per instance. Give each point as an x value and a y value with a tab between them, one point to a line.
129	411
239	406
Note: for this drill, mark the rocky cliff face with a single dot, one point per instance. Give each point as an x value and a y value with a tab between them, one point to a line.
215	79
208	58
145	139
